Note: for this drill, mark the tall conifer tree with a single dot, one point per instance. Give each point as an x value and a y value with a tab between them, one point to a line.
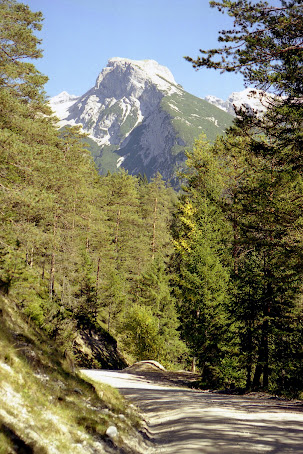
265	45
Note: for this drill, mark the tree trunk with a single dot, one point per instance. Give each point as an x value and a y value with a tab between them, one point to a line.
31	263
109	318
117	226
43	268
53	262
250	358
154	229
52	276
97	276
262	363
193	366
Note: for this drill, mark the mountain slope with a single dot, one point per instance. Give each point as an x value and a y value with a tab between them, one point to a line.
252	99
140	117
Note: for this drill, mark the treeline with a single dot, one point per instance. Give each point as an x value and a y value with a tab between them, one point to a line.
214	274
78	251
238	229
238	266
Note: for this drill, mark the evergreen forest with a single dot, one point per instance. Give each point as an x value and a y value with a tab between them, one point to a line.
211	275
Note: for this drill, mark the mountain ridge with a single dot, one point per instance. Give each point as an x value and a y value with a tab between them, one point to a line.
140	117
250	98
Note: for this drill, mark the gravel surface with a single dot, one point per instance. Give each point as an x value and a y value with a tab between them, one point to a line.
188	421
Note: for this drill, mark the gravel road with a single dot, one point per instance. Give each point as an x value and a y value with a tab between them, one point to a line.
189	421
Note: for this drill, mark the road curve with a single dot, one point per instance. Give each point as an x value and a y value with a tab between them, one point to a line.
189	421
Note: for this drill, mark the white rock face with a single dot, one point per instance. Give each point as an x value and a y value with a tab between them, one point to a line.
125	92
137	73
255	100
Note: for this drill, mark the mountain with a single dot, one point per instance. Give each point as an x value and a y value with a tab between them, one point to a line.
252	99
140	117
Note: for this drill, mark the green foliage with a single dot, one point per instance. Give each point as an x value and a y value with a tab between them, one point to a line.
142	333
268	263
114	299
259	162
201	276
80	250
107	161
194	117
61	409
73	244
18	43
264	44
154	292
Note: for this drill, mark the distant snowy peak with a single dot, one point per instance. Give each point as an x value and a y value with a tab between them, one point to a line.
218	102
63	97
256	100
61	103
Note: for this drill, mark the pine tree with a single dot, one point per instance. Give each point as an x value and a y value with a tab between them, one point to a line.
156	206
47	190
264	205
154	291
201	275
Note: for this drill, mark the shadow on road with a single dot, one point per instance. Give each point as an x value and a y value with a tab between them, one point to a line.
187	421
183	420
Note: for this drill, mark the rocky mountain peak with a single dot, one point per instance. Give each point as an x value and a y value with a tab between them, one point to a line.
63	97
126	91
140	118
135	75
61	103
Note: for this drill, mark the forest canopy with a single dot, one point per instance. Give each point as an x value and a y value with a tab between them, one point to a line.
78	251
254	186
213	273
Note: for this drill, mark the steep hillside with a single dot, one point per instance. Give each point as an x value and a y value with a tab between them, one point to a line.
47	407
140	117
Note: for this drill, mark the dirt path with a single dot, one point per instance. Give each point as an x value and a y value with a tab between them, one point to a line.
190	421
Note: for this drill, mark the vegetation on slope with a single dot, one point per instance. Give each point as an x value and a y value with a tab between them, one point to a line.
192	116
46	406
85	257
74	247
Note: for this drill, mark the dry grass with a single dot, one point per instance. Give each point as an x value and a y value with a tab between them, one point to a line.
47	409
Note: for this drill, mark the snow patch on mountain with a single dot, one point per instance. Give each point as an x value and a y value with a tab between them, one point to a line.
173	107
252	99
139	116
213	119
119	161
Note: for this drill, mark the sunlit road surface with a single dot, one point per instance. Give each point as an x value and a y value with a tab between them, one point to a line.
189	421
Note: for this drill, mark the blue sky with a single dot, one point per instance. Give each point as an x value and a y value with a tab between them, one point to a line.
79	36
